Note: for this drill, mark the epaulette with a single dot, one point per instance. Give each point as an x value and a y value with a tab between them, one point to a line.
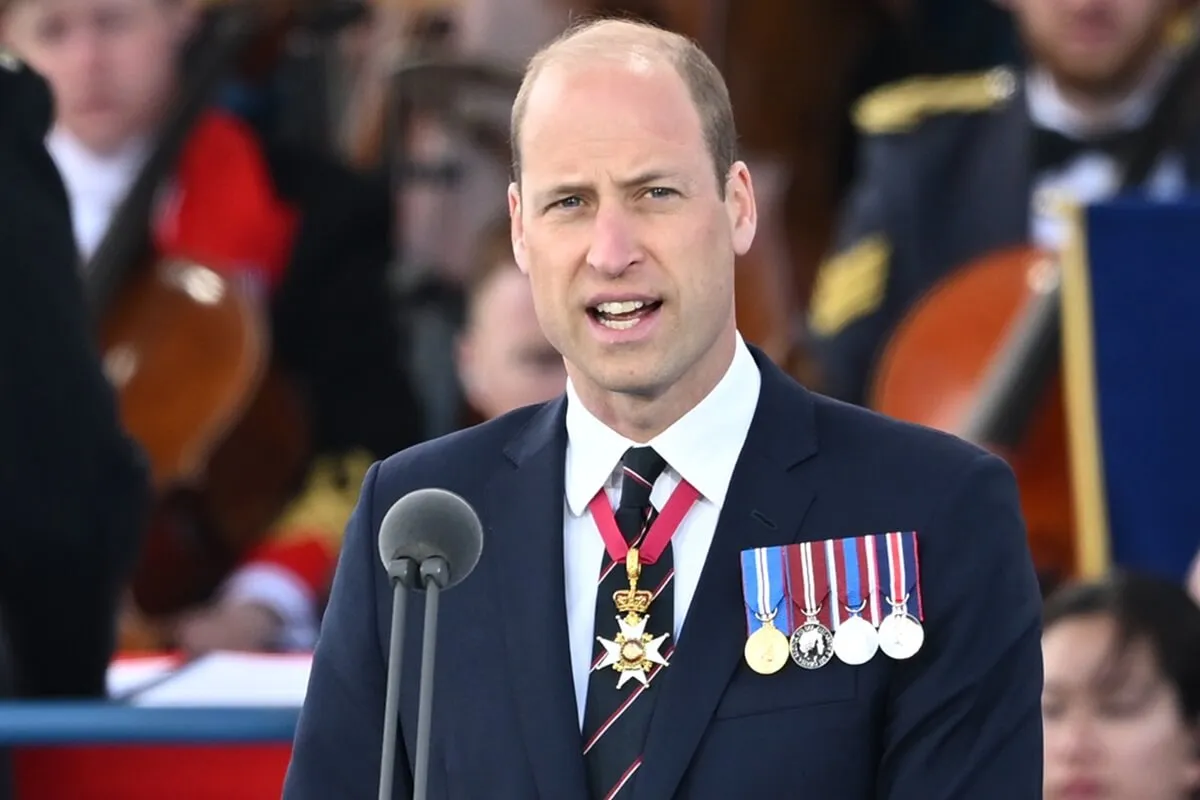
899	106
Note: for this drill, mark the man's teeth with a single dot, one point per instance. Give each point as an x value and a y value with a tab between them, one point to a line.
623	307
619	324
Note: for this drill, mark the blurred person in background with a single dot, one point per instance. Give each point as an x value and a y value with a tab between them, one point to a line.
1121	704
504	360
311	237
73	487
957	166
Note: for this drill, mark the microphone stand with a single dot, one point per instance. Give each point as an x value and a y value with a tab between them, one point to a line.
403	572
434	575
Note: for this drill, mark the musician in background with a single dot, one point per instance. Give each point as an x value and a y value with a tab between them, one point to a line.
504	360
312	239
957	166
73	487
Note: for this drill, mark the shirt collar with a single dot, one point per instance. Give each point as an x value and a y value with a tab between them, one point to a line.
702	447
1048	108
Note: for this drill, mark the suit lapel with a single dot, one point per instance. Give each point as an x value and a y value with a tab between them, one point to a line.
766	503
526	506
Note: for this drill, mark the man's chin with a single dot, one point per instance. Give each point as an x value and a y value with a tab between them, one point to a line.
1099	75
98	133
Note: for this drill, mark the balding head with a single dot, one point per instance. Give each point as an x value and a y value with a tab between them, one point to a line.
638	45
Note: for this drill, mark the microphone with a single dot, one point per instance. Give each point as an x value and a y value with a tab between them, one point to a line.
429	540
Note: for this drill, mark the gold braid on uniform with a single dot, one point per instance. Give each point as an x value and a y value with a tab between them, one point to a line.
900	106
852	283
327	500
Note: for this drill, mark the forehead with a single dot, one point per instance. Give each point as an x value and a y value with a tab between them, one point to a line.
1085	651
629	109
65	8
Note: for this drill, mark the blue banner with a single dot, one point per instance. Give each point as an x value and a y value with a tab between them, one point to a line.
1131	334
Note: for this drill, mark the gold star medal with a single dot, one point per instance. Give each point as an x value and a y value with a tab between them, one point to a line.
632	652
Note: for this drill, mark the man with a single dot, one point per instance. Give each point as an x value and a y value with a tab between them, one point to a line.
956	167
72	486
628	208
310	238
504	360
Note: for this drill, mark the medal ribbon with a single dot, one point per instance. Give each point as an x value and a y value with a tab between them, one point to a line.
660	533
898	551
865	545
807	581
847	566
763	588
830	549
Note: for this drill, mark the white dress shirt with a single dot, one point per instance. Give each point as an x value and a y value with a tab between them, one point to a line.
703	447
96	185
1092	176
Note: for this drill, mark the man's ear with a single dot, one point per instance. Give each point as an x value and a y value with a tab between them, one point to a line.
520	253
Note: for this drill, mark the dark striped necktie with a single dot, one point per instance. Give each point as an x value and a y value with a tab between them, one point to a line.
615	720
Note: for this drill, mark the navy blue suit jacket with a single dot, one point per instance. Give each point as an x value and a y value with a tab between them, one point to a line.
960	720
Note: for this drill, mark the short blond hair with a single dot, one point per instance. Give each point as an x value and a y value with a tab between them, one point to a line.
617	35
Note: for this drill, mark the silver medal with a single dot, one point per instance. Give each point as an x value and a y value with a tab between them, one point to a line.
900	635
855	641
811	645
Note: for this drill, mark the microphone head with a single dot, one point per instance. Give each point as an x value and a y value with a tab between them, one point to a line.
428	523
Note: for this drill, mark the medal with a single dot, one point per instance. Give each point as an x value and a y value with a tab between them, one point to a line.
855	640
811	643
633	652
901	634
766	650
763	582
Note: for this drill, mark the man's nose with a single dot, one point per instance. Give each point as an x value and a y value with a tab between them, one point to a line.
87	54
614	246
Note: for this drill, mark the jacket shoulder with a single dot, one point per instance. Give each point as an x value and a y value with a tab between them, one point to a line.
26	105
903	106
462	458
893	445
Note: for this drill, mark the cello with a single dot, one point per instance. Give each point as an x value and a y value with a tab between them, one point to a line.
979	356
189	355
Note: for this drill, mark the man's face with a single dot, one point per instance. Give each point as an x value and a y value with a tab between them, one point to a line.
505	361
110	63
620	223
1096	47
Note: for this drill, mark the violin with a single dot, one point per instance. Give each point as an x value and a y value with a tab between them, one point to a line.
979	355
189	354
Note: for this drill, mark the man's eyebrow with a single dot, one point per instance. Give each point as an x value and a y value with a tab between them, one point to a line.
580	187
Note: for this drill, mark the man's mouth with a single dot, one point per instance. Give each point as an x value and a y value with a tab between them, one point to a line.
623	314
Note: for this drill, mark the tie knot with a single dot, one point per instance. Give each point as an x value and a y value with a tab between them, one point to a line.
641	467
